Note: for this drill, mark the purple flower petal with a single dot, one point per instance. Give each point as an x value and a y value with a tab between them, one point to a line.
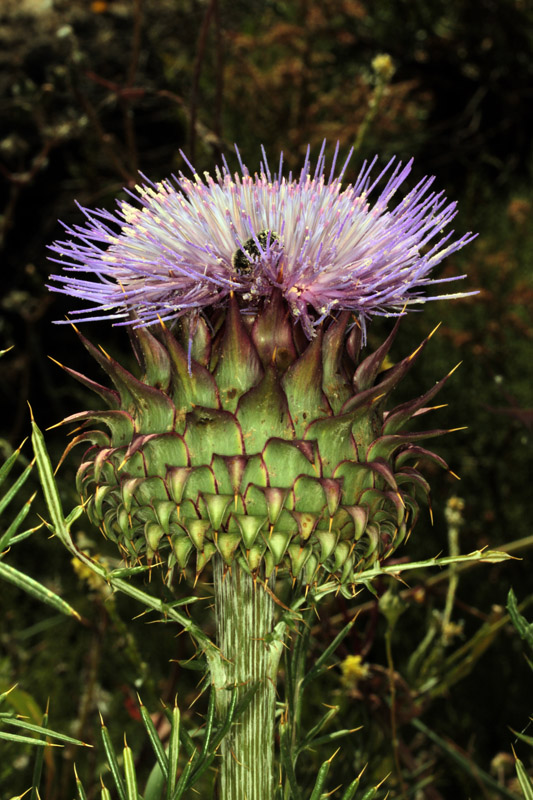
187	243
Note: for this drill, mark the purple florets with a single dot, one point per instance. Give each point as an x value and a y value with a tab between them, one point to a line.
187	244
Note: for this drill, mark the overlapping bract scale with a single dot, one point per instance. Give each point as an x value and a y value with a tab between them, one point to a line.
253	442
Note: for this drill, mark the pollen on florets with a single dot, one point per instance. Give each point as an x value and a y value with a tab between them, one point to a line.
188	244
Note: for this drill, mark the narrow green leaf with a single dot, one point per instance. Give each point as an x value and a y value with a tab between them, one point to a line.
315	730
209	722
321	660
15	737
207	753
43	731
7	466
524	628
524	780
203	764
12	491
350	791
155	741
329	738
463	762
182	784
105	794
7	536
286	760
79	786
173	751
48	483
129	773
227	722
24	535
370	794
36	589
113	763
320	780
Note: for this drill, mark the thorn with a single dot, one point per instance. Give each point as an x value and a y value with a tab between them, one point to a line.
435	329
454	474
333	756
104	352
57	424
454	368
236	759
31	412
388	774
59	364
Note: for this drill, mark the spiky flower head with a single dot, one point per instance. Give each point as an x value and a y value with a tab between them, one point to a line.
187	244
256	433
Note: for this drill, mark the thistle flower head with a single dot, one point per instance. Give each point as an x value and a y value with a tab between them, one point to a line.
187	244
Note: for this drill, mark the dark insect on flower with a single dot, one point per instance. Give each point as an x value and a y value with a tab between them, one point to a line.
254	247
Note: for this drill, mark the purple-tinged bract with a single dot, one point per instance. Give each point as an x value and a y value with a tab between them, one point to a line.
187	244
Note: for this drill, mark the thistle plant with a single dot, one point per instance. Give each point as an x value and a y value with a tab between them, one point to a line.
259	443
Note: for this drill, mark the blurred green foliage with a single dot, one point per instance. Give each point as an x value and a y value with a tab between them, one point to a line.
91	92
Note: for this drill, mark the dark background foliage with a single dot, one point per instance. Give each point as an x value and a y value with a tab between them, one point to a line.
93	92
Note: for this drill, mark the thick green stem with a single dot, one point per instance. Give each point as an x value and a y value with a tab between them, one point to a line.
245	618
